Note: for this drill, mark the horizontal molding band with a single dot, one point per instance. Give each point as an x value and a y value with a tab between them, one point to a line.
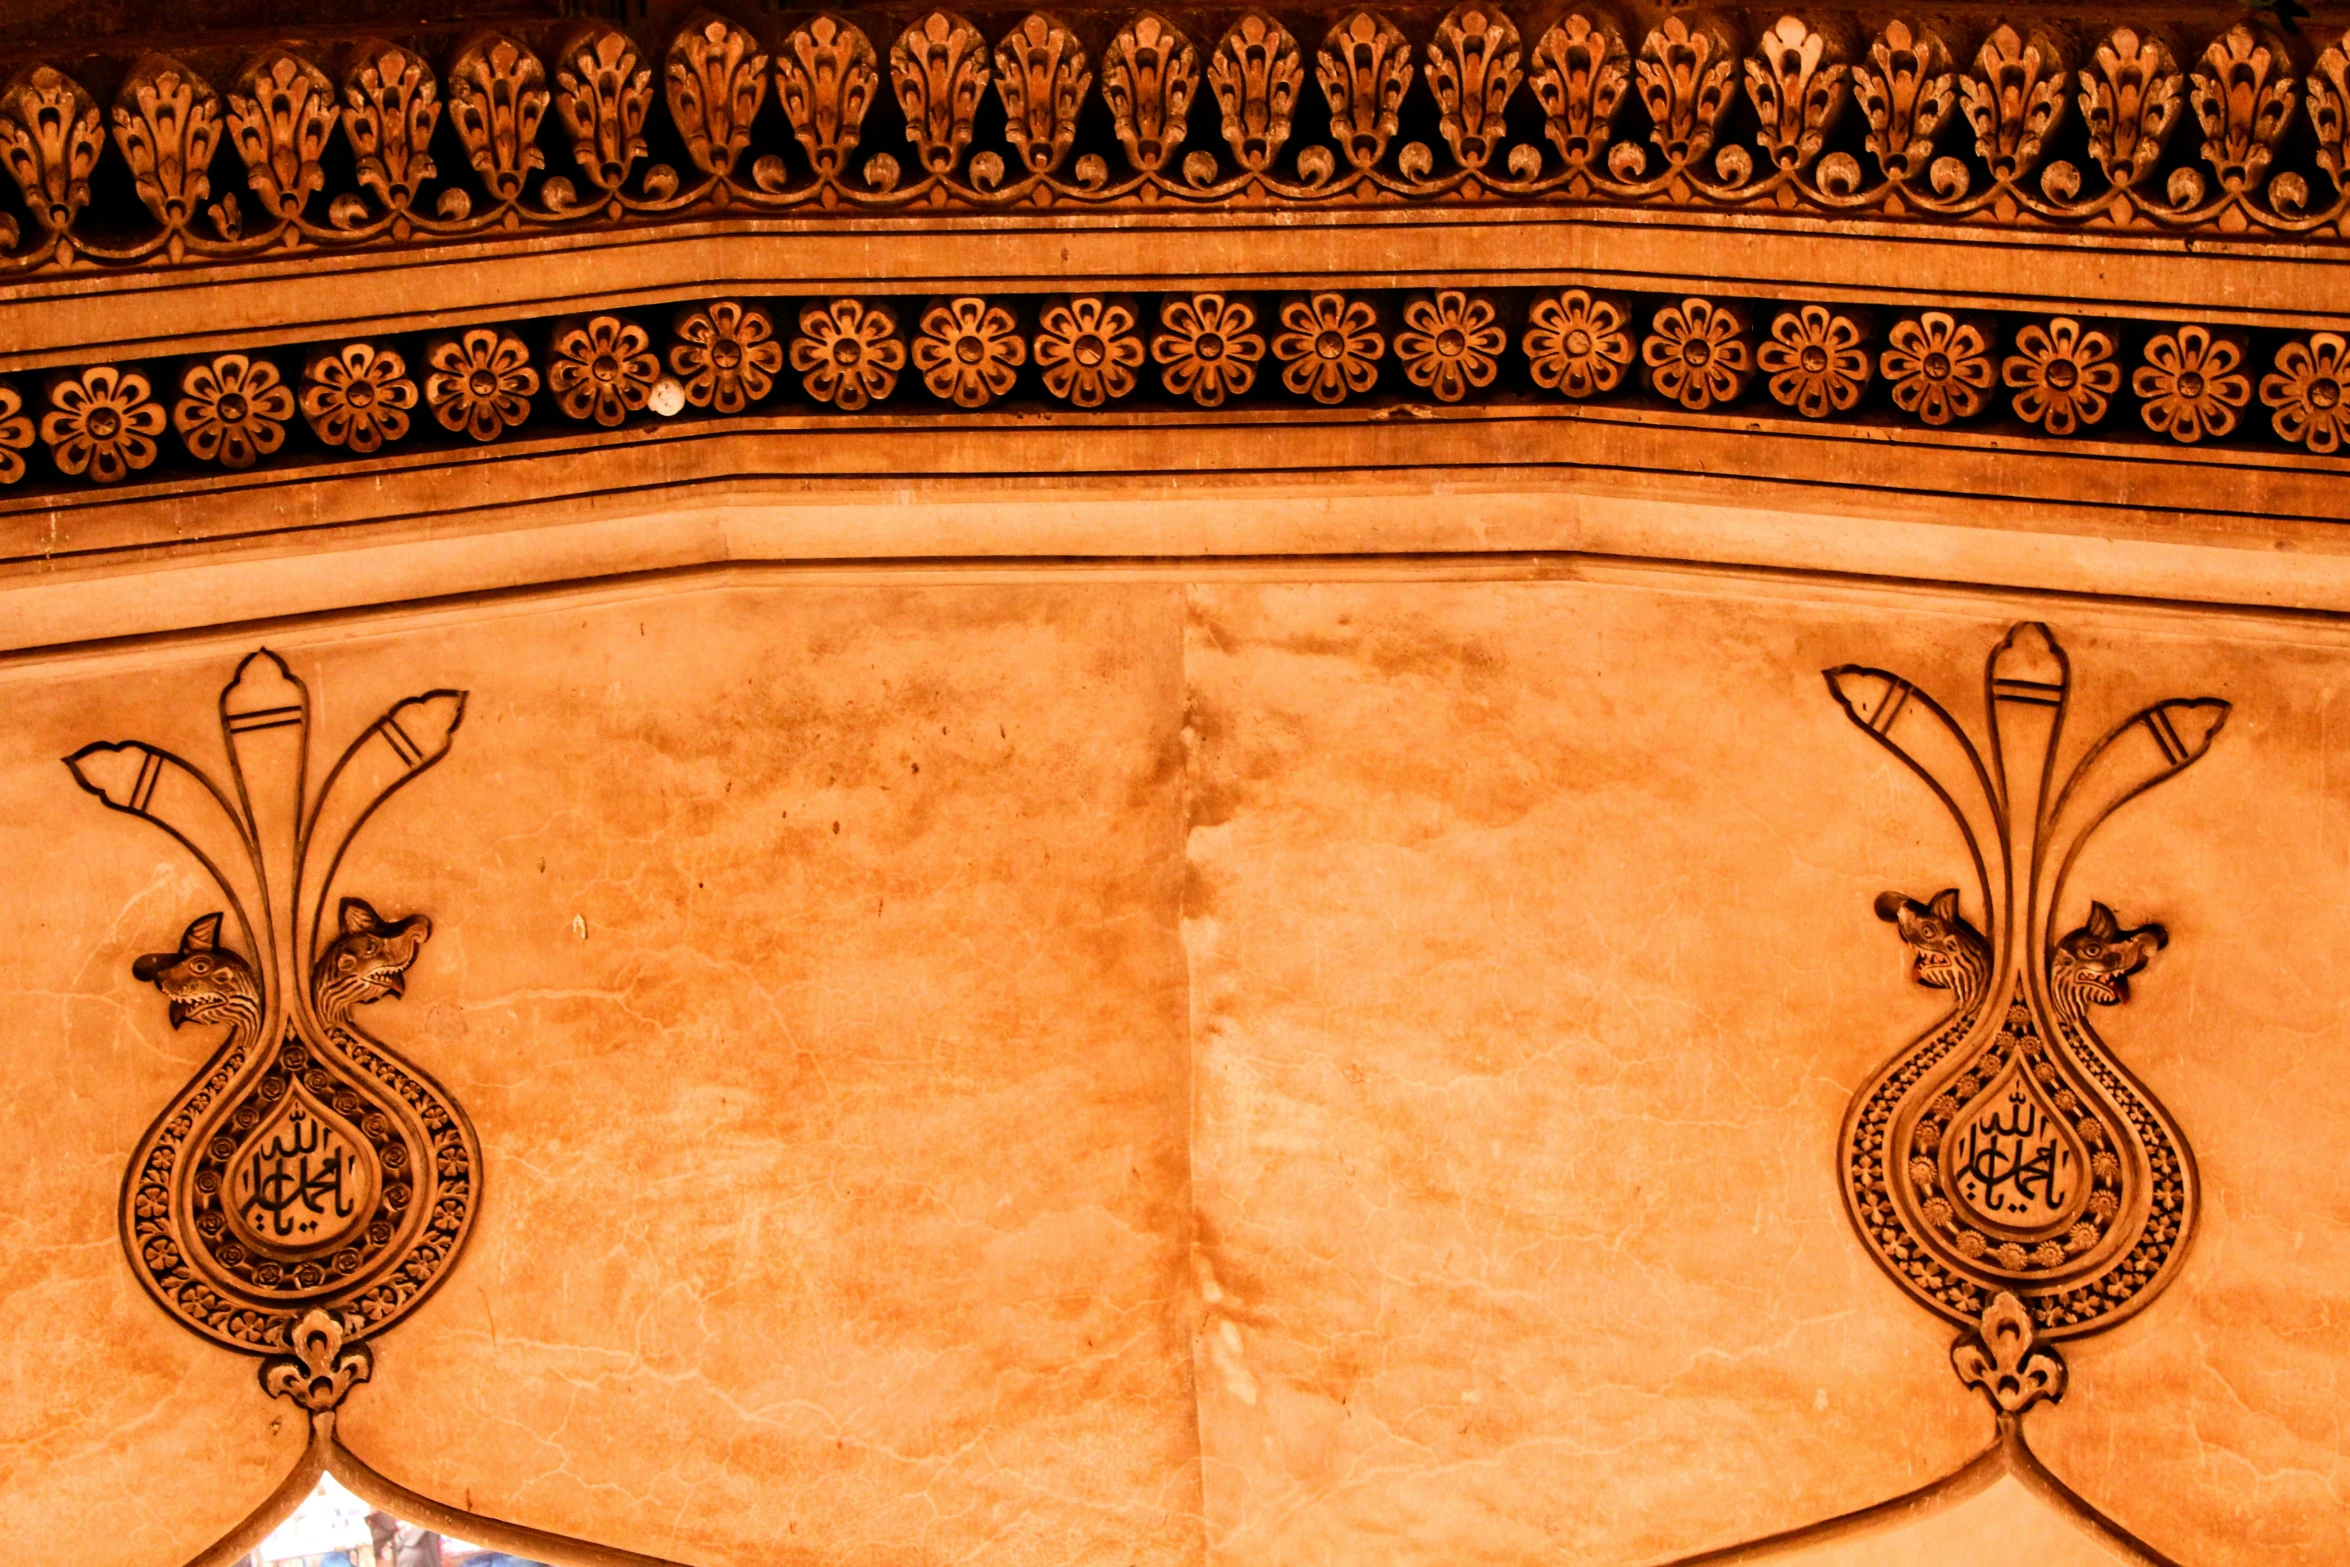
72	319
2031	407
1425	523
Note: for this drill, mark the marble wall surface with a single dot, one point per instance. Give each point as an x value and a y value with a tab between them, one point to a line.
1090	1069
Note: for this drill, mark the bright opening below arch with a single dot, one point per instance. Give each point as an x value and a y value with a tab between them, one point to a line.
333	1528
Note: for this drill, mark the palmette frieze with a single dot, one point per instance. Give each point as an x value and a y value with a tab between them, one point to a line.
2000	380
2230	128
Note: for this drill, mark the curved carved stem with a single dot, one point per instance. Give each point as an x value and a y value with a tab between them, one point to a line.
367	1483
234	1547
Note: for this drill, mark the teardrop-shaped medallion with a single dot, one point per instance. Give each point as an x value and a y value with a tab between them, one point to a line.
2011	1161
302	1182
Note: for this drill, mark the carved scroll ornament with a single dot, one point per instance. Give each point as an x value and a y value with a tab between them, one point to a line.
2009	1150
2007	1168
1763	113
309	1186
308	1167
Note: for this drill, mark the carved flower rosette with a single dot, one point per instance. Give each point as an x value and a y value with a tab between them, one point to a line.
307	1167
2009	1150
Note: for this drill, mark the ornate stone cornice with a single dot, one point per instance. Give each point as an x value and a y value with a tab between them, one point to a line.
1998	257
2206	124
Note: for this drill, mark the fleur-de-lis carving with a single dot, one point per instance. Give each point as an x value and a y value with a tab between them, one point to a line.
2129	103
1905	91
1798	85
716	77
1580	74
1149	74
602	90
1365	68
390	105
2329	108
2014	100
1684	80
2243	94
497	96
939	67
825	77
2003	1358
167	123
1041	77
279	116
1255	76
1473	71
50	140
326	1363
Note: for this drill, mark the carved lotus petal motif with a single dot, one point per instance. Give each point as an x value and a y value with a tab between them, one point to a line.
1364	68
2243	92
391	104
939	68
2129	101
2329	106
1798	82
50	140
167	122
280	117
1684	77
2015	99
1473	72
1905	91
1041	77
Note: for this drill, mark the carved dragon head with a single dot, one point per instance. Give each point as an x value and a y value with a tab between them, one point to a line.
2093	965
204	981
369	960
1947	953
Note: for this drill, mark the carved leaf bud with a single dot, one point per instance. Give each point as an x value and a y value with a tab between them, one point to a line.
1473	72
1149	75
602	90
825	77
1255	76
497	96
50	140
717	77
938	67
1041	78
1364	68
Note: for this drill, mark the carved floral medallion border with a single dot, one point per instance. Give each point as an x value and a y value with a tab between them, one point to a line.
2025	122
2000	380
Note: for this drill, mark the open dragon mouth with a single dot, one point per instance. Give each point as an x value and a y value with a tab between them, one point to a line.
2106	990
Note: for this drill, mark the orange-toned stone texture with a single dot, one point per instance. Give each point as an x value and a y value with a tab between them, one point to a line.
808	965
1267	1072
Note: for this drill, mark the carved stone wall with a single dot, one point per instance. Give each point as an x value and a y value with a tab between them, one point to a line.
1101	823
1124	1069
